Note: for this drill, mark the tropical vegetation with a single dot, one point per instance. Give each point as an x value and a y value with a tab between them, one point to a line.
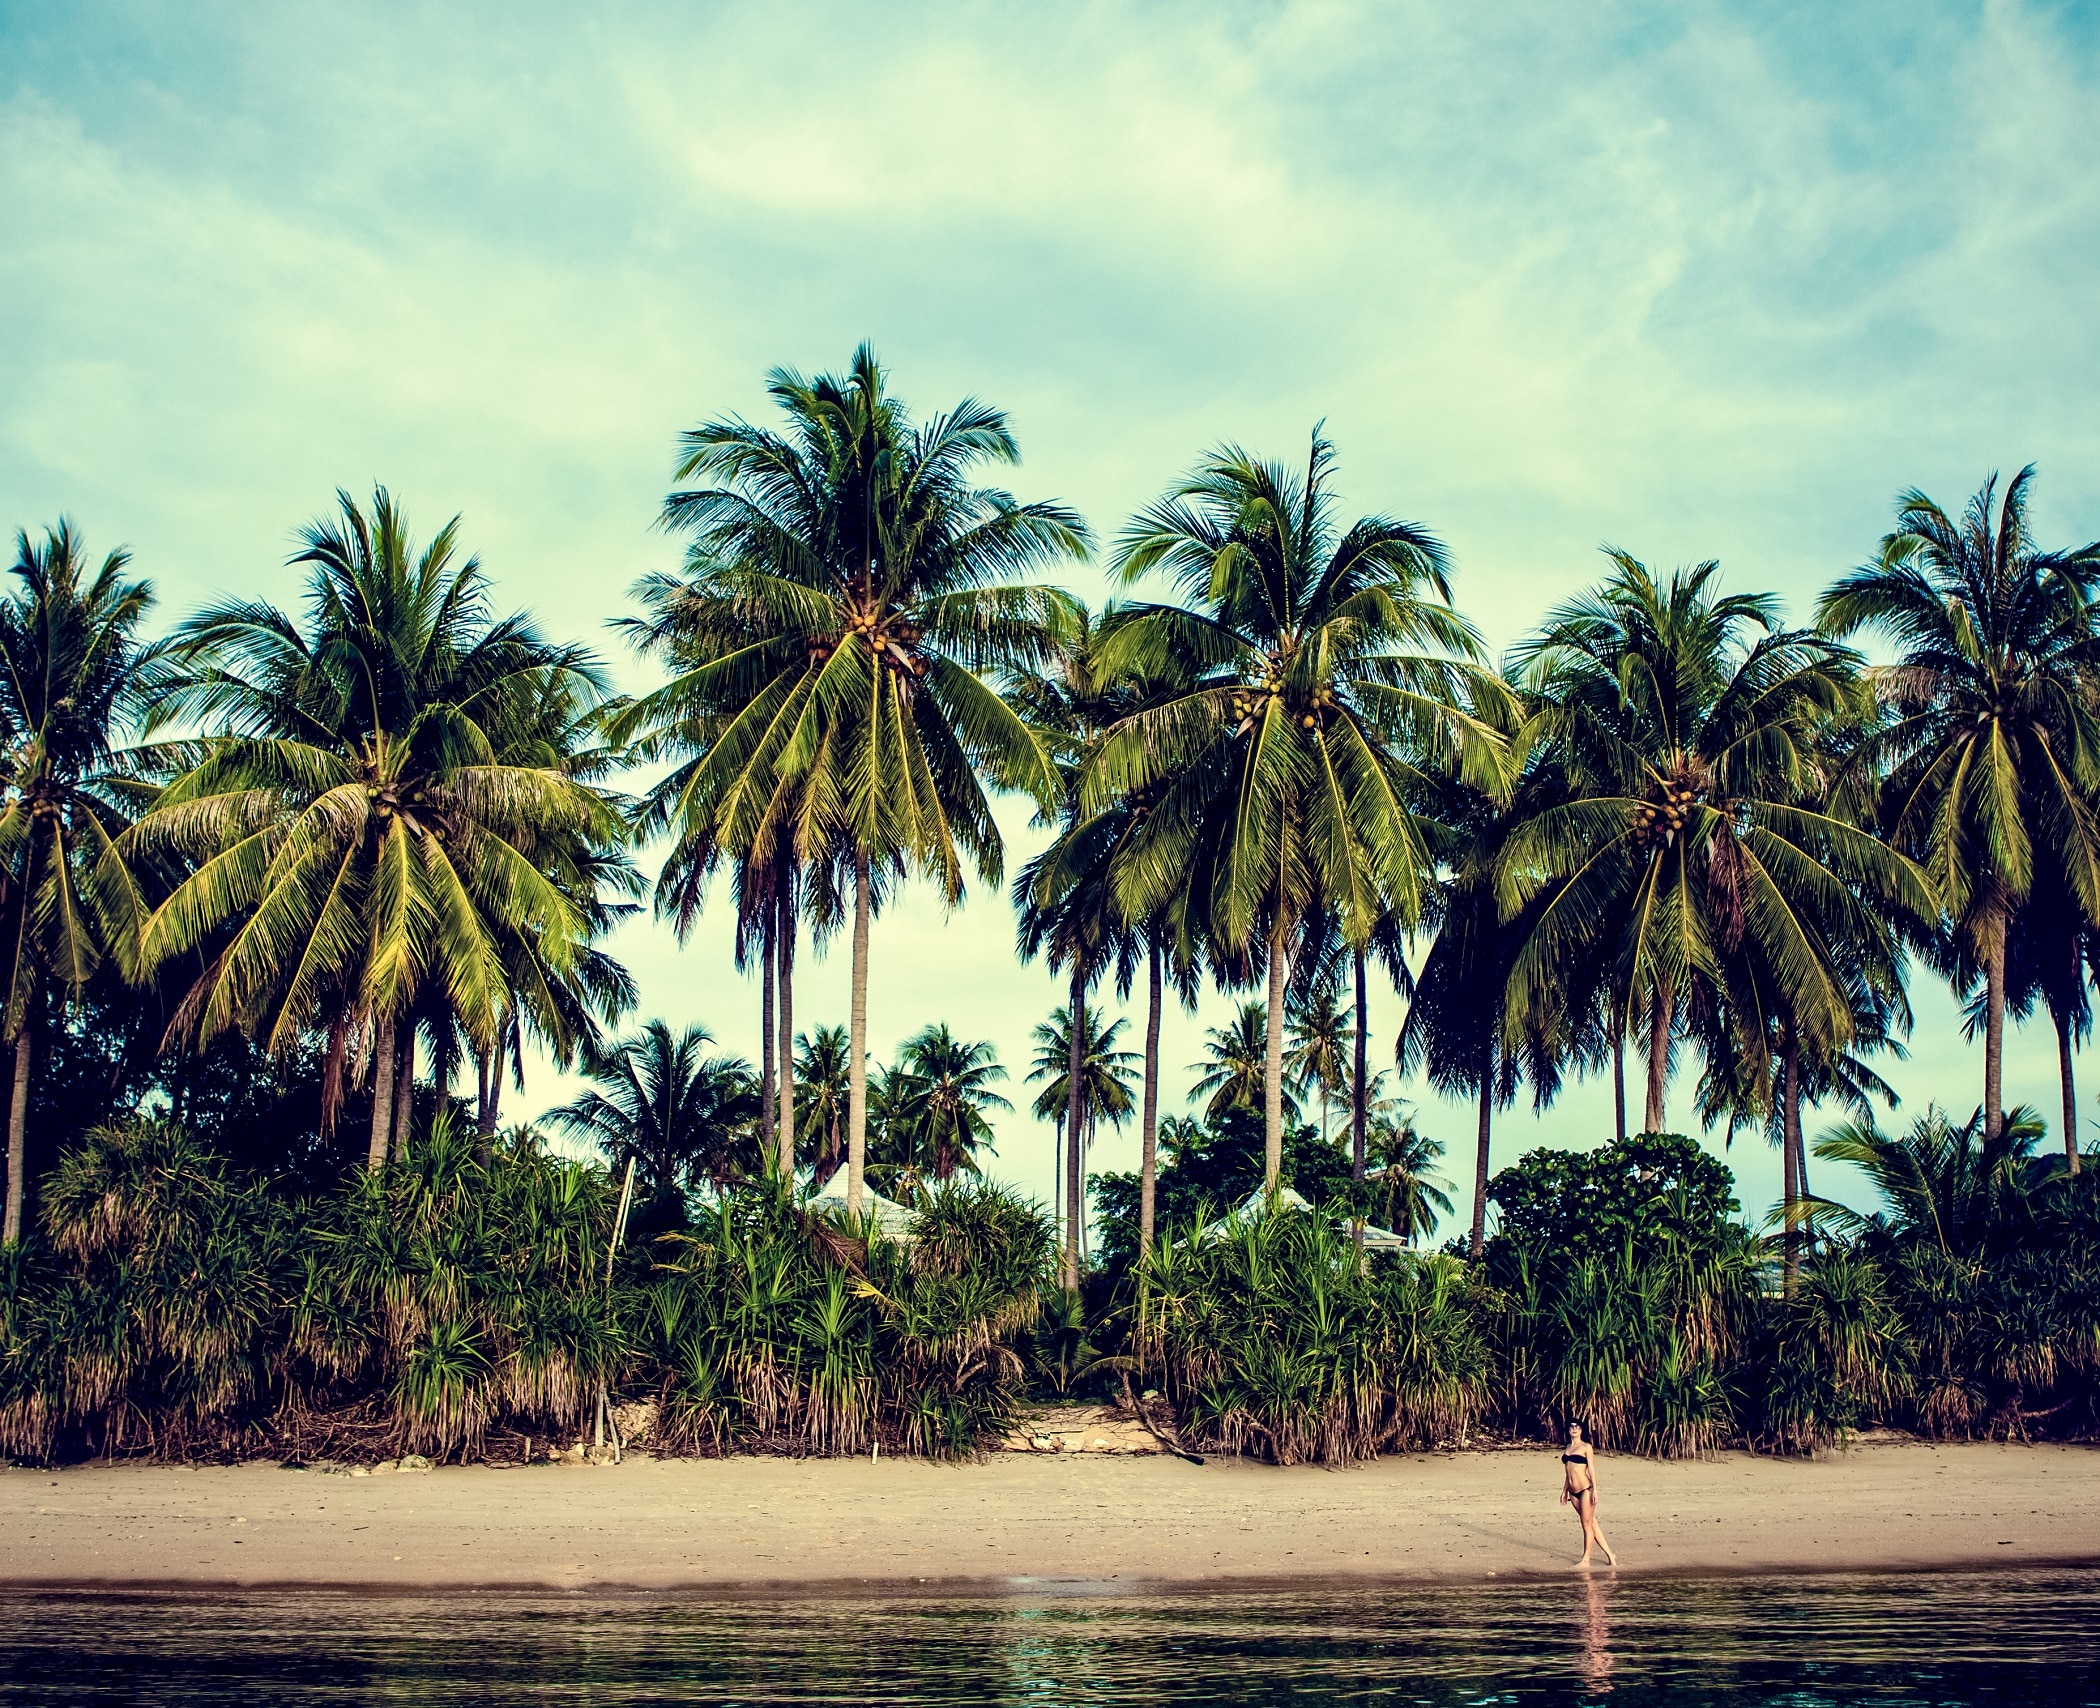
291	891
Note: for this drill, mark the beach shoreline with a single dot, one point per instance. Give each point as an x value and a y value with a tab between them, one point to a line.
1031	1524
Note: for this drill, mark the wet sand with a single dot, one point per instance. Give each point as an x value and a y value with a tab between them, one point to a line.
1016	1519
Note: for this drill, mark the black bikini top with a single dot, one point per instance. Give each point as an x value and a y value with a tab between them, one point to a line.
1574	1459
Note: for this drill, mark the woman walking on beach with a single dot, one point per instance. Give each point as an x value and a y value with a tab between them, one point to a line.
1578	1465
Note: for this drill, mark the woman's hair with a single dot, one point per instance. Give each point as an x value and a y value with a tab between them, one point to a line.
1579	1425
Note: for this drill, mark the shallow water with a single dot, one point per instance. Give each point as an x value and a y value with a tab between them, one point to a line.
1802	1642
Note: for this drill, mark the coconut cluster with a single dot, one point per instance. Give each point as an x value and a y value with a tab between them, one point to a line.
1661	820
1246	702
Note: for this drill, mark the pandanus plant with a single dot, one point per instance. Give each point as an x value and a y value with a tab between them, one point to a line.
1276	1339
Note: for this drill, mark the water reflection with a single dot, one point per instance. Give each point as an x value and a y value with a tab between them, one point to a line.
1596	1635
1937	1641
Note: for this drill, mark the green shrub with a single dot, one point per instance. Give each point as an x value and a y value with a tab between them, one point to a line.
1277	1338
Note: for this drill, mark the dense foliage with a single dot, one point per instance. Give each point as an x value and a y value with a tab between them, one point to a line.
1621	1289
454	1307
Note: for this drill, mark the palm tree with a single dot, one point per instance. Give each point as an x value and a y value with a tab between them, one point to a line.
1694	739
1991	747
823	1077
1330	666
1325	962
1764	1067
1233	1072
366	827
71	666
893	1106
681	1115
557	727
1953	1185
1461	1025
1088	1057
1410	1193
1068	895
2052	952
952	1083
1066	906
1318	1046
846	591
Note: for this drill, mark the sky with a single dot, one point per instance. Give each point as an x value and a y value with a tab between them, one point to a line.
1697	280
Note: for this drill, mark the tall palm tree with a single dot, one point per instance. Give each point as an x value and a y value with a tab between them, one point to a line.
72	671
1085	1075
682	1115
1066	908
557	727
363	829
1331	668
2052	952
1692	733
847	590
1763	1066
1991	747
1328	962
952	1082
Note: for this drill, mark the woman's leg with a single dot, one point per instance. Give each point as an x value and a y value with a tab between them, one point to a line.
1581	1504
1592	1531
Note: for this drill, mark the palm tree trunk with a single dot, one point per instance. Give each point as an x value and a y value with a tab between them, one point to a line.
2066	1073
1057	1177
1790	1142
404	1088
1148	1166
382	1094
1360	1087
1658	1054
17	1135
496	1074
857	1066
484	1117
1075	1103
786	973
1086	1150
1272	1069
1360	1101
768	1026
1994	1039
1808	1220
1480	1160
1618	1076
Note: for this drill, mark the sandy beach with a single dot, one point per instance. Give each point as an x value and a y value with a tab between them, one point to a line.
1017	1519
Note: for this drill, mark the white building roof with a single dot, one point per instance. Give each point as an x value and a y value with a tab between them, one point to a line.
891	1217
